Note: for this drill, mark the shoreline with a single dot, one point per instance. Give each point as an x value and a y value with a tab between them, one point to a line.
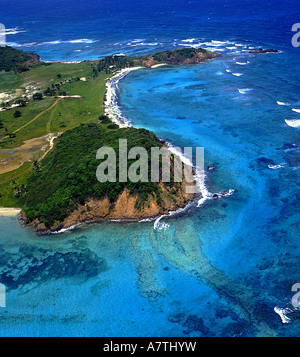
113	112
155	220
111	105
110	101
111	97
111	109
159	65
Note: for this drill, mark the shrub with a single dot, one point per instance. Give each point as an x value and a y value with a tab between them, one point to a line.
37	96
113	126
17	114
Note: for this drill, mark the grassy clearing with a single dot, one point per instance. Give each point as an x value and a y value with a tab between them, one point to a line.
20	175
68	113
9	81
11	159
12	124
46	75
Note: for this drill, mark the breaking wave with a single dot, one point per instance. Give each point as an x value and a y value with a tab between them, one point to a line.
294	123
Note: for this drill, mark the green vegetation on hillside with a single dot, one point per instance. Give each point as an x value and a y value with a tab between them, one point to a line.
68	174
12	59
113	63
178	56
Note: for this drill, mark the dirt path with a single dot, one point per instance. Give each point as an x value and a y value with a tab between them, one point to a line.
12	159
46	110
51	143
36	117
48	126
27	145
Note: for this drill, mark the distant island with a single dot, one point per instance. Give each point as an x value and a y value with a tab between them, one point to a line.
54	120
261	50
183	56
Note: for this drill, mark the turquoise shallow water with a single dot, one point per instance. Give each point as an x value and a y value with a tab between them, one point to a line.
216	270
251	236
97	281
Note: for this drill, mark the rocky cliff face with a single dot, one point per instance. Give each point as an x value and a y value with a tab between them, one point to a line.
124	208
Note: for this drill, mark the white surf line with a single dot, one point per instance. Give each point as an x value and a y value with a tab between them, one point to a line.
171	213
200	174
242	63
187	162
294	123
200	178
201	189
63	230
111	96
238	74
244	90
282	313
276	167
296	110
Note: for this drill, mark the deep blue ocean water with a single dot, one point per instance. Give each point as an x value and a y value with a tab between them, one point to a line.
219	269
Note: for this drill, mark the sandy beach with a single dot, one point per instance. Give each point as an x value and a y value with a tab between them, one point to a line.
9	211
110	96
159	65
109	108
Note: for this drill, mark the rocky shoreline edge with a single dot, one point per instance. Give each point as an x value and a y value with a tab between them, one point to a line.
122	210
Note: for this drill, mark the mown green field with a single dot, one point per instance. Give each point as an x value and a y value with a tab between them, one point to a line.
9	81
7	180
68	113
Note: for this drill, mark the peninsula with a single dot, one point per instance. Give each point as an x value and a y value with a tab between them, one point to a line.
51	125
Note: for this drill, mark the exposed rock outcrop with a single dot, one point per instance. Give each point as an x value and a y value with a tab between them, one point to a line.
124	208
260	50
